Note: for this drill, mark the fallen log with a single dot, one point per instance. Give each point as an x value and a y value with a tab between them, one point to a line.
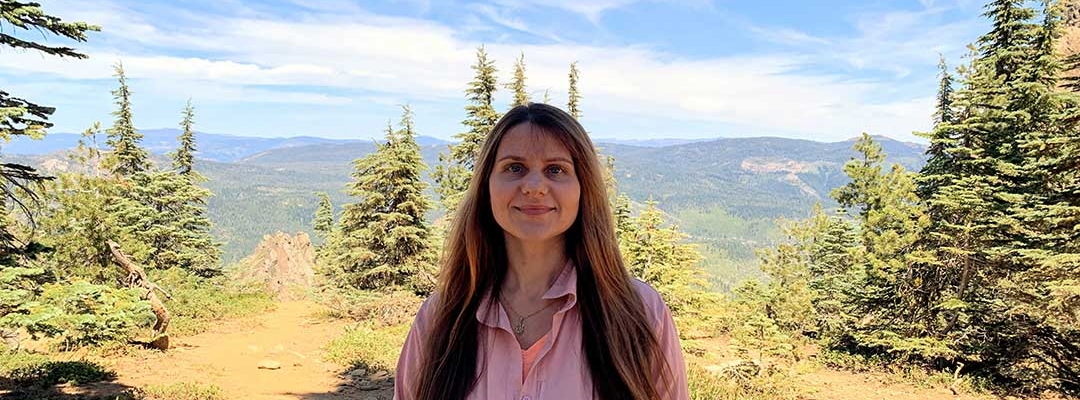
137	279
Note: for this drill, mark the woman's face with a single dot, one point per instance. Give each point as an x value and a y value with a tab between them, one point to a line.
534	186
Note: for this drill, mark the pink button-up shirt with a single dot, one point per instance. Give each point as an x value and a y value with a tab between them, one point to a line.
560	371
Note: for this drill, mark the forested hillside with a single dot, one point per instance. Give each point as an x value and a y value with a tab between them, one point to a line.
952	266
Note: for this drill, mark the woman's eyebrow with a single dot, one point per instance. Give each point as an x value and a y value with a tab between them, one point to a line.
522	159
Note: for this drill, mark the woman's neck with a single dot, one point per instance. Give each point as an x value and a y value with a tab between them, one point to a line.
533	267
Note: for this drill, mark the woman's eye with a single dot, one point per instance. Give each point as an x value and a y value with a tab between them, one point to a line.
555	170
515	168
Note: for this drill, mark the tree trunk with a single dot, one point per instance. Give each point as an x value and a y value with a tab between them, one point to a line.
137	279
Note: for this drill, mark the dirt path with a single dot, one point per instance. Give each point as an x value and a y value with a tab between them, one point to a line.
229	356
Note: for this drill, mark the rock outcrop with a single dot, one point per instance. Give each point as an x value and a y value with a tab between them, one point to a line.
284	264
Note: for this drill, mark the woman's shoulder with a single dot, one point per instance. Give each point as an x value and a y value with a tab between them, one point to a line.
651	299
426	313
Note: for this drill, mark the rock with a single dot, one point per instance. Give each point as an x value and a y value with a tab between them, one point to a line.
381	375
282	263
735	369
269	364
357	372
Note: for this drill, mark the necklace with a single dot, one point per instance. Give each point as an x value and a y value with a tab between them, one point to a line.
519	327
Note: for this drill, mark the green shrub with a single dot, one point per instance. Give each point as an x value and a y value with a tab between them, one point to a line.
197	302
32	369
183	391
81	313
706	386
374	349
383	309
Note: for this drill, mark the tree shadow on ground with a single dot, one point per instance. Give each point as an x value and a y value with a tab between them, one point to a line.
63	380
359	382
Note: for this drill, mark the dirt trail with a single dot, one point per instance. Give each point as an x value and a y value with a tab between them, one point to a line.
229	356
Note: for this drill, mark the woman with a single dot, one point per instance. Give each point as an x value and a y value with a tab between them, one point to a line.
533	301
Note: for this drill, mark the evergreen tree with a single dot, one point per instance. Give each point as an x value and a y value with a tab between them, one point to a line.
888	282
18	116
455	170
382	240
660	256
168	213
127	157
517	85
864	174
184	157
574	97
19	183
324	216
938	168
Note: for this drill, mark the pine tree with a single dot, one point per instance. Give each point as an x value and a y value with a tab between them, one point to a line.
517	85
82	215
324	216
455	170
127	157
18	116
184	157
168	213
574	97
20	184
864	175
660	256
887	294
939	164
382	240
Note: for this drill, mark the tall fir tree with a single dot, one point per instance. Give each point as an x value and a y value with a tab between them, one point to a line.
127	156
660	256
517	84
887	280
574	97
454	171
324	216
184	157
938	168
382	240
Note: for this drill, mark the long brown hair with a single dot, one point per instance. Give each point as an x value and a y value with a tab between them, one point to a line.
617	339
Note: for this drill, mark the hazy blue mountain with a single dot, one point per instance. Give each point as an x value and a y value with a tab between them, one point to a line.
650	142
215	147
730	189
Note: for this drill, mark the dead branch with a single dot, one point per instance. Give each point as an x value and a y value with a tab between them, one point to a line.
137	279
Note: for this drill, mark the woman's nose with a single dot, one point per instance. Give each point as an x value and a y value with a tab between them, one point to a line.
534	184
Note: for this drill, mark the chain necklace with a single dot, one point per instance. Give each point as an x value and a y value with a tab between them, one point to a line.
519	327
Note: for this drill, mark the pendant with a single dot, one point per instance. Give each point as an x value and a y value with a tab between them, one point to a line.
519	328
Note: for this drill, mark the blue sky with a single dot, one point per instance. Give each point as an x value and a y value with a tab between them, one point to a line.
821	70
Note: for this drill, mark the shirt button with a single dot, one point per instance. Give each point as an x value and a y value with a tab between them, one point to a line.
526	398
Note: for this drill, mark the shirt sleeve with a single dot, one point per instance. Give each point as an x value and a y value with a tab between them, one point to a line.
677	387
408	365
671	348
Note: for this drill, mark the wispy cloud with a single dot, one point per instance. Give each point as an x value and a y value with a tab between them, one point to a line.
337	59
591	10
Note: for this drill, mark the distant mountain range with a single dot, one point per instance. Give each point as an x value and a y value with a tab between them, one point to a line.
264	185
214	147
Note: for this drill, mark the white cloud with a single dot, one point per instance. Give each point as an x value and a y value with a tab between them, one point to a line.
362	57
590	9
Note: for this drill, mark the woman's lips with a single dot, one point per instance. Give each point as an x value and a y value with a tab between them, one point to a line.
535	210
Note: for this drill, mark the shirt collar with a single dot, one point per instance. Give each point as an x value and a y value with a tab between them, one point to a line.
565	286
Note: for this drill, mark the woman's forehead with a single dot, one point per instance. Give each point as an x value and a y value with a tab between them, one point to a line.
528	140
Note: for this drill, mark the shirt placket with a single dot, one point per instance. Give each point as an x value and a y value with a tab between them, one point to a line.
531	387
